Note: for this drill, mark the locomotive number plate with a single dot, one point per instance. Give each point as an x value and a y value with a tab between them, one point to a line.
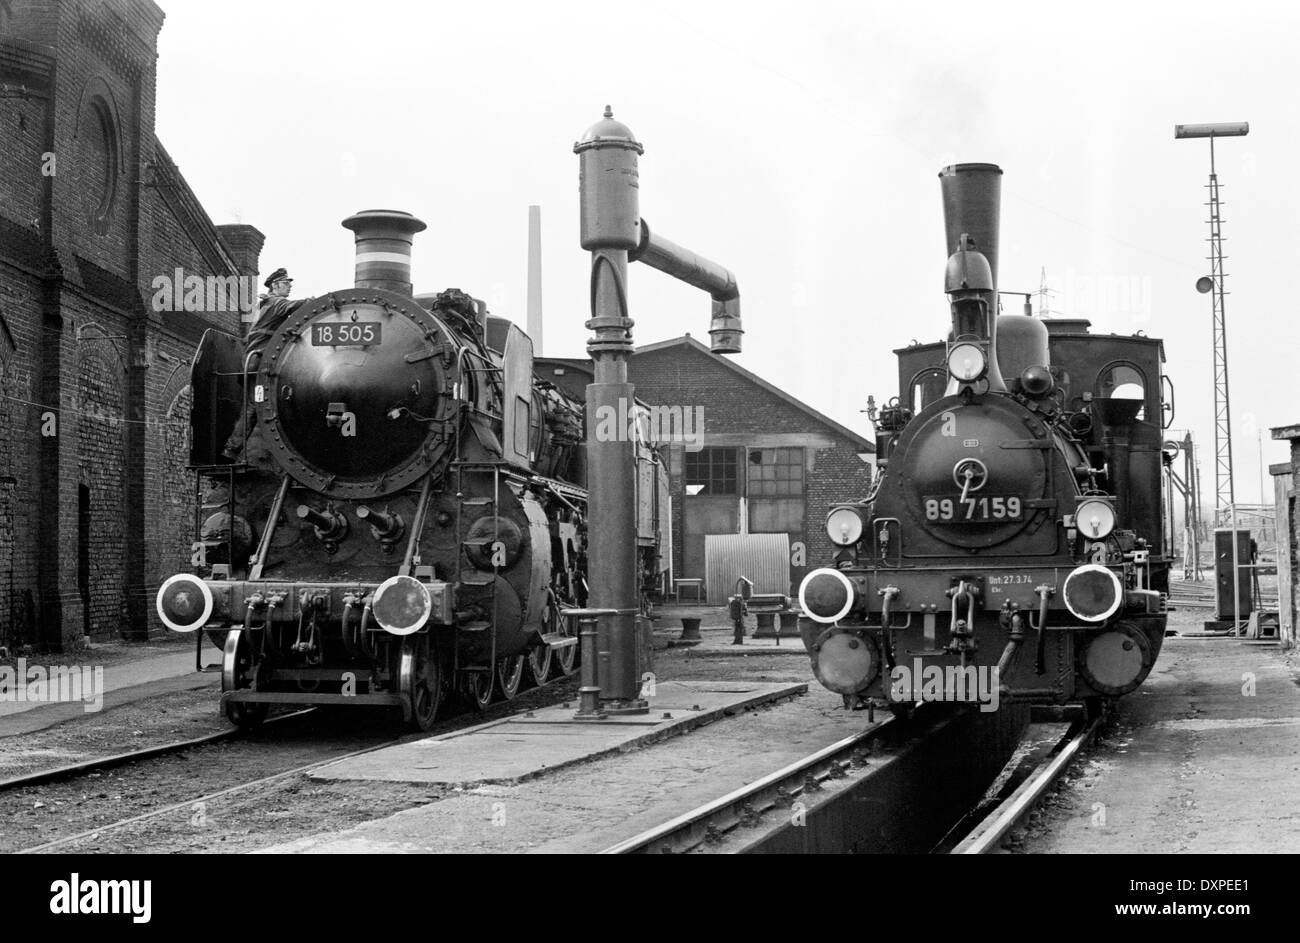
349	334
974	509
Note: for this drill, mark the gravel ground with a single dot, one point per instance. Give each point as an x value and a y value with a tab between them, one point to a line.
267	814
1190	763
246	820
294	807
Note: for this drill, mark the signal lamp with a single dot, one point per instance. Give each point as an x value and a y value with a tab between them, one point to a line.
844	526
1037	381
966	362
401	605
826	595
1095	519
1092	592
184	603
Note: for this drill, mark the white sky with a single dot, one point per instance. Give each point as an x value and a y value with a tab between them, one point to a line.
795	143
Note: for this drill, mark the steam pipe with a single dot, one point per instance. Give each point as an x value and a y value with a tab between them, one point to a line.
610	227
666	256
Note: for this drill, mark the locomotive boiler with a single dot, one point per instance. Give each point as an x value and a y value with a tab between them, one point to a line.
408	514
1014	532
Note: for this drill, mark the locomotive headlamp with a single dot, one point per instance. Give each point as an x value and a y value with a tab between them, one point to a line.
401	605
826	595
1092	592
966	362
184	603
1095	519
844	526
1037	381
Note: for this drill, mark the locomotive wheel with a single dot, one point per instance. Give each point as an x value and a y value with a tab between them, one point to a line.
567	657
236	670
510	672
479	688
540	659
420	679
246	716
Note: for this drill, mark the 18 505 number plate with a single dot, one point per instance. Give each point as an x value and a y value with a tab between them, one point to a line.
974	509
348	334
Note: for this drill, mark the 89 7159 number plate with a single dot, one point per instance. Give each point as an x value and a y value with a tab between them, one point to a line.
346	334
974	509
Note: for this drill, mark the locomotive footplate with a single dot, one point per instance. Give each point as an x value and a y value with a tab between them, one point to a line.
289	601
923	589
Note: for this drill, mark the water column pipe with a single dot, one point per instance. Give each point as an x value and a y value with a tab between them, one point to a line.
612	230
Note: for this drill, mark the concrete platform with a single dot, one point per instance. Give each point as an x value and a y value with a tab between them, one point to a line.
128	678
590	806
717	643
1204	759
522	747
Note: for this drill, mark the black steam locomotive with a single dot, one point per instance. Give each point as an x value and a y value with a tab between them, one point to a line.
1016	528
408	514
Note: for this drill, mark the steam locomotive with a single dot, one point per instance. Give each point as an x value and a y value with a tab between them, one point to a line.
408	514
1016	527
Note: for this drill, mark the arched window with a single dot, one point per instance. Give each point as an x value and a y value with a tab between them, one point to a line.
927	386
1122	380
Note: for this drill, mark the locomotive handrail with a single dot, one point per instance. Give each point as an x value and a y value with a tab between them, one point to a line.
417	526
272	521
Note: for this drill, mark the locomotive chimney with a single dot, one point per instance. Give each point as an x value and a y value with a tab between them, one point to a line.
384	248
972	197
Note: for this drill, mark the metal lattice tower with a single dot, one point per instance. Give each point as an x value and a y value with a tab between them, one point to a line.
1223	487
1223	490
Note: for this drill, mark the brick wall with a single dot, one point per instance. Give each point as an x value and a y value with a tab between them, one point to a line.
740	413
78	254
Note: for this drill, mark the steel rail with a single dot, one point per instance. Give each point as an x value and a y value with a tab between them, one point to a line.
985	836
726	812
117	759
189	803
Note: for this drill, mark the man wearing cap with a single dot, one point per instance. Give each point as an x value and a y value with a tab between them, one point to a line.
272	309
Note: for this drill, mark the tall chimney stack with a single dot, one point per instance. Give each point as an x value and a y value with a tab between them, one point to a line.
535	278
972	197
384	248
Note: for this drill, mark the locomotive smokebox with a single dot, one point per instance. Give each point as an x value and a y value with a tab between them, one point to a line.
972	197
608	187
384	248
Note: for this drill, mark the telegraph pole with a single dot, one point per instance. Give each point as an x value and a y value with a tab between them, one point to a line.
1223	486
1224	496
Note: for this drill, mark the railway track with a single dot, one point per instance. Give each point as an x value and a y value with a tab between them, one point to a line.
143	778
189	803
1023	788
858	795
97	764
780	790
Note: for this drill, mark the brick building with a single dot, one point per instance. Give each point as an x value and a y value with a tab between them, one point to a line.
95	503
1285	475
764	463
